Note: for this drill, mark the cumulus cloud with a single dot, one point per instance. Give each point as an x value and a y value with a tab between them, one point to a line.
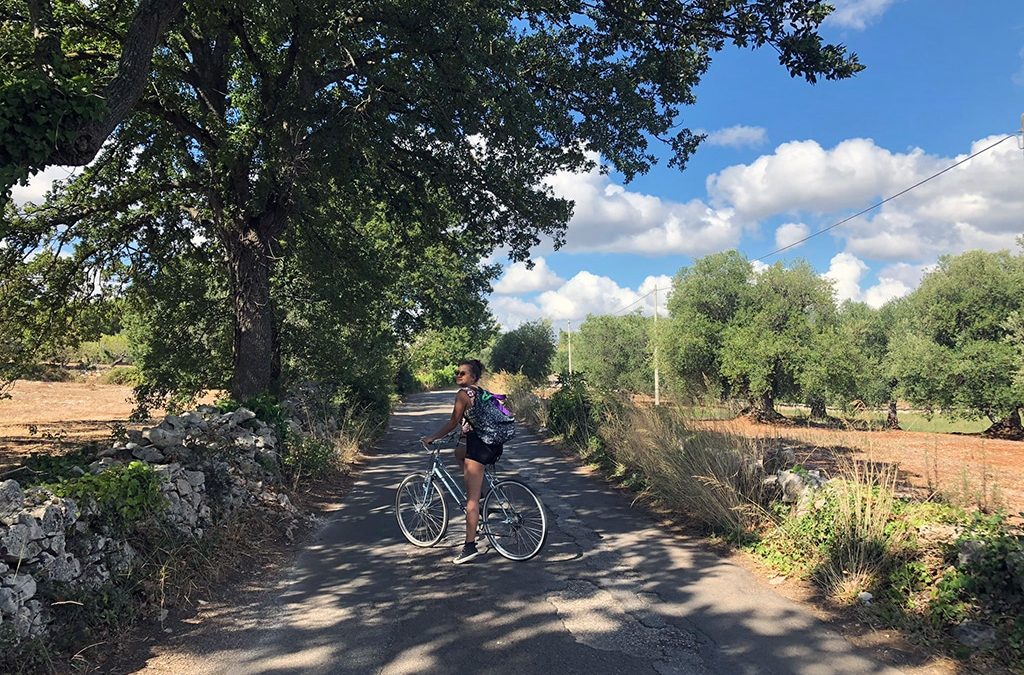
518	279
584	294
976	205
847	271
610	218
857	13
790	233
738	136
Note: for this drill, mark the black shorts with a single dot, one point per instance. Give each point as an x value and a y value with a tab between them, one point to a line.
481	452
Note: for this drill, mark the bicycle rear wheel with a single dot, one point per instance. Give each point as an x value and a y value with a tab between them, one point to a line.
514	520
421	510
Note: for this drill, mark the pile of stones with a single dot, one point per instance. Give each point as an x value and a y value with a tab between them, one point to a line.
210	464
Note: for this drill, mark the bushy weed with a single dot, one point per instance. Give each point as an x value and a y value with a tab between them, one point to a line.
121	497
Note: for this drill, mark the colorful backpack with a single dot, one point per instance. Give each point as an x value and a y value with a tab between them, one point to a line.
490	419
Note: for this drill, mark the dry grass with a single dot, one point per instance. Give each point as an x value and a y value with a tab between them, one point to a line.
712	477
863	545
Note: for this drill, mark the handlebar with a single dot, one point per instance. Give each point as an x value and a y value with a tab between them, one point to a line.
451	437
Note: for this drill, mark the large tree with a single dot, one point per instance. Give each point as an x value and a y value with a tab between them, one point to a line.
450	113
615	352
957	352
768	345
705	299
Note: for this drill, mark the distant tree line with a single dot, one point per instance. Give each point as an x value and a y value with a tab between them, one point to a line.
955	344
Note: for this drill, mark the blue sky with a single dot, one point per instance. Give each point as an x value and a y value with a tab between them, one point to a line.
944	78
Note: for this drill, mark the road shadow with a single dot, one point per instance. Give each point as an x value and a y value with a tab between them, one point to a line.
612	592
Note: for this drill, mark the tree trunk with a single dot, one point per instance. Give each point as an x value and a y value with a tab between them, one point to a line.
255	370
764	408
892	422
818	411
1009	427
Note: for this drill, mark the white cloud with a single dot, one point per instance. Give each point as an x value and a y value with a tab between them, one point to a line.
518	279
790	233
738	136
976	205
584	294
40	183
857	13
610	218
846	272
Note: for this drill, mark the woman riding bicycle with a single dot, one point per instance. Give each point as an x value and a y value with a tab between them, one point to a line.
473	455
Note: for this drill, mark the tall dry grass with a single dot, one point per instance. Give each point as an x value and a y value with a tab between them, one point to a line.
715	478
862	543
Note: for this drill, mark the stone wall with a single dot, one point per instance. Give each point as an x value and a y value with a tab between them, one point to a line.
210	465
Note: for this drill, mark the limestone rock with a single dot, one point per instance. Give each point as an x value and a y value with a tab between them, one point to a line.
11	500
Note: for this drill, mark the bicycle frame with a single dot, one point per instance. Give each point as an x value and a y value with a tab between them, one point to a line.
441	473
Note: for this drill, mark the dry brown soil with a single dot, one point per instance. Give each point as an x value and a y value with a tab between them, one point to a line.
967	469
65	414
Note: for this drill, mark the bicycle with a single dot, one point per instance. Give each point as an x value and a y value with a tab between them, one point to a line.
512	517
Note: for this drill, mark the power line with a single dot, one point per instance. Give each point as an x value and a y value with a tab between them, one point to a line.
887	199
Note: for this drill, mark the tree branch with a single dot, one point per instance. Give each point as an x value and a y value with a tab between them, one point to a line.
152	18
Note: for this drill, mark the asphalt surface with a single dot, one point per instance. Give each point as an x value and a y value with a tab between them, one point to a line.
611	592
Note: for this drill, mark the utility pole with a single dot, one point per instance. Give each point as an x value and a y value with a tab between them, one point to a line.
568	336
657	388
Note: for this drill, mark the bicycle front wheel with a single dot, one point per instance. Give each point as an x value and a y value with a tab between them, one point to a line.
514	520
421	510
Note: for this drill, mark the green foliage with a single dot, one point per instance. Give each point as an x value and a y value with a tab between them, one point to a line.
956	351
527	350
991	565
128	376
122	497
41	468
108	349
310	457
257	254
769	344
615	352
572	411
705	300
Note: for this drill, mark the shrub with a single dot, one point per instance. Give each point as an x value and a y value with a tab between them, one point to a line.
122	497
573	412
309	457
863	545
128	376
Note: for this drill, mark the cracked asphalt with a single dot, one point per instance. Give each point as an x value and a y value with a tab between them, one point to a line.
612	592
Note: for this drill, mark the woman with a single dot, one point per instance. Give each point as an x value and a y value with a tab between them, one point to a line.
471	456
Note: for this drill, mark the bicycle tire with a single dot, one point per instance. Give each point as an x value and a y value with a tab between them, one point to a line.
424	527
515	521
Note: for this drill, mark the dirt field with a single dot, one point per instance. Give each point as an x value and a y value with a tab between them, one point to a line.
65	414
967	469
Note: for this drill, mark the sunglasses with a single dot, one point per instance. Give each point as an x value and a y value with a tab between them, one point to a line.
461	373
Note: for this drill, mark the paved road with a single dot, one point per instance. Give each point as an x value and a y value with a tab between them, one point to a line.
610	593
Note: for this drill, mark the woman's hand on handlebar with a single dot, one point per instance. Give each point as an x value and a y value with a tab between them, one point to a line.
426	441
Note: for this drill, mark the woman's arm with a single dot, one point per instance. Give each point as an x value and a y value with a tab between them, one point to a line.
461	402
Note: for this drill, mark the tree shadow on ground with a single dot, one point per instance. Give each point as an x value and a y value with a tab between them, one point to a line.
612	592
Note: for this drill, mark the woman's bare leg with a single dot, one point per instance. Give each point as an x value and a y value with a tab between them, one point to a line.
474	475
